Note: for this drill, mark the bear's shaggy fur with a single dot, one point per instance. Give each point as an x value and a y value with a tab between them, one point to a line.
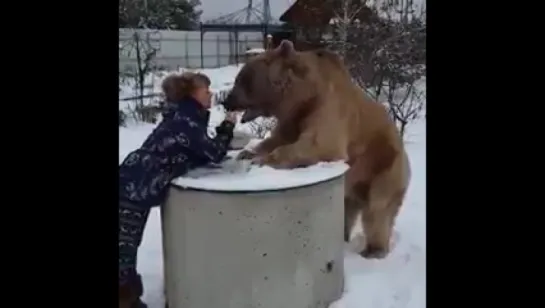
323	116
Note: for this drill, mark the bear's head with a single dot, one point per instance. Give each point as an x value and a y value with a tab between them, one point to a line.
281	83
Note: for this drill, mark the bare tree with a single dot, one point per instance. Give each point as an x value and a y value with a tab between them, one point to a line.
405	102
385	52
260	127
345	15
142	46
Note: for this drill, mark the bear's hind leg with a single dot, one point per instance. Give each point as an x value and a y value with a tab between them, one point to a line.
377	220
352	207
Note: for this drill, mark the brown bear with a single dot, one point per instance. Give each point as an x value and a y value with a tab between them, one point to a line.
323	116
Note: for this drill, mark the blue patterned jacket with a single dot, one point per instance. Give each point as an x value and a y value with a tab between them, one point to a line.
178	144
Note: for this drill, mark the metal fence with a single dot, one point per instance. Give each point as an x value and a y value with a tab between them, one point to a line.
177	49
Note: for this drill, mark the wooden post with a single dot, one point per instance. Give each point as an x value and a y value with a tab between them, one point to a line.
269	41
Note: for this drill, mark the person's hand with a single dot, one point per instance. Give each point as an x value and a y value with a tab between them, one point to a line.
231	117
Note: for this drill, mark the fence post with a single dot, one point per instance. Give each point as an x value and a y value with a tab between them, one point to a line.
218	50
236	46
202	34
231	57
186	50
269	41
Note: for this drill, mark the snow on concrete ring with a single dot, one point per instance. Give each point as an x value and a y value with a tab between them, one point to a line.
259	238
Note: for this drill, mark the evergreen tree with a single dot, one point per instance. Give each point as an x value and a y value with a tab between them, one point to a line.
159	14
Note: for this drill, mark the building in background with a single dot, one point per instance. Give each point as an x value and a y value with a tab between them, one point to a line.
311	21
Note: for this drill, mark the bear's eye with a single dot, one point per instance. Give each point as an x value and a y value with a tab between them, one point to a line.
242	78
260	80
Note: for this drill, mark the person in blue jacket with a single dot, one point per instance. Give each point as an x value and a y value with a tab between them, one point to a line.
178	144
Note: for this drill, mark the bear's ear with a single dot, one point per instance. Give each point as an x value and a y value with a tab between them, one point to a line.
285	48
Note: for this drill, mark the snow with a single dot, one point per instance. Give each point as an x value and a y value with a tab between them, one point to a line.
398	281
221	81
233	175
254	51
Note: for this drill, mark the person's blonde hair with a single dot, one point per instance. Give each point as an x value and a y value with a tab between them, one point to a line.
177	87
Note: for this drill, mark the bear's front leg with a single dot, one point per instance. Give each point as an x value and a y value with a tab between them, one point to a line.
312	147
263	148
297	155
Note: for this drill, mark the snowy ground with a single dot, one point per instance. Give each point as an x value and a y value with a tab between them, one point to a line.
395	282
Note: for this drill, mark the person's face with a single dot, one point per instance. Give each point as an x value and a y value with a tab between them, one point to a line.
203	95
